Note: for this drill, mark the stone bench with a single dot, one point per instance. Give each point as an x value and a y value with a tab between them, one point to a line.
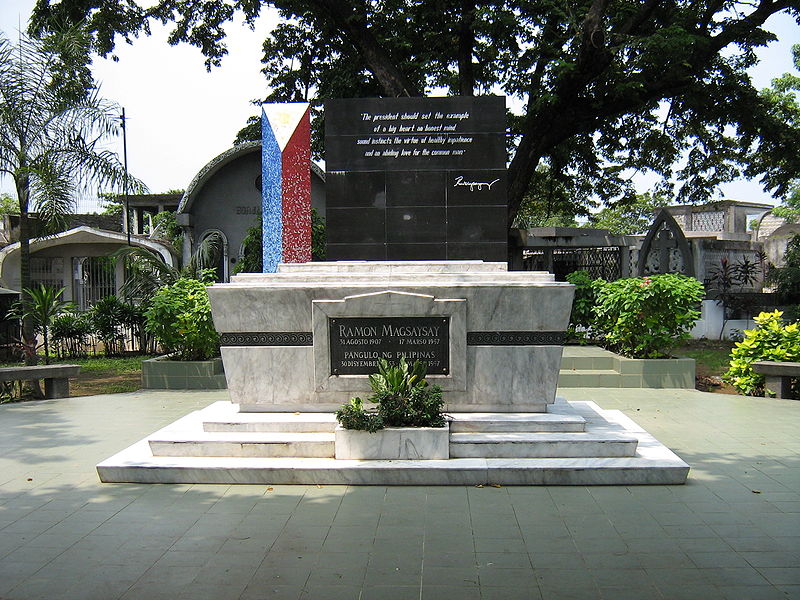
778	375
56	377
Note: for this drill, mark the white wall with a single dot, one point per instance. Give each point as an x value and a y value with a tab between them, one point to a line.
710	323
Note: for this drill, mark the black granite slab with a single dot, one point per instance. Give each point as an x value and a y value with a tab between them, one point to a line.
357	343
435	168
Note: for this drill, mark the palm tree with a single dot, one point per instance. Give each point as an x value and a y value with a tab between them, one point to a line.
50	144
42	305
146	272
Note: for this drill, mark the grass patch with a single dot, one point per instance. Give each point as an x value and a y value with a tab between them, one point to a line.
712	358
102	375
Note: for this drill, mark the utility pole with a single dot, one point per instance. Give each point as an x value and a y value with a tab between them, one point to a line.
127	220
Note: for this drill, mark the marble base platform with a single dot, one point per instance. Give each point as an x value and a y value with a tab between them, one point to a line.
644	459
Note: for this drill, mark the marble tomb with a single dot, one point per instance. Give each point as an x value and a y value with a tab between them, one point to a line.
300	342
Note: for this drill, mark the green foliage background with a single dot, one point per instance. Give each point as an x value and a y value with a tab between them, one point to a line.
771	340
179	317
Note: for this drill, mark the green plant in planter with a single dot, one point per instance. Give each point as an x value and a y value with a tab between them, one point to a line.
180	318
771	340
582	314
644	317
402	396
354	416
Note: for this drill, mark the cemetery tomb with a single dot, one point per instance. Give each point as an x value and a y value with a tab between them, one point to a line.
496	336
416	185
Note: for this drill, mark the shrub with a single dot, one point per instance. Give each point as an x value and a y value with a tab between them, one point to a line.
786	279
179	317
582	314
42	305
644	317
107	319
133	317
403	398
70	334
353	416
771	340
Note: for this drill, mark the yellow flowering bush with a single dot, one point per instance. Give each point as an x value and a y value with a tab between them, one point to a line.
771	340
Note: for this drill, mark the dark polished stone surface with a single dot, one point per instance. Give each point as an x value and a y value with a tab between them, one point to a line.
485	251
355	225
355	252
416	251
416	224
476	188
366	190
434	168
478	224
357	343
415	188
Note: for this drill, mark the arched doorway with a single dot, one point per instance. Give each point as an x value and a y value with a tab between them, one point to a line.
212	247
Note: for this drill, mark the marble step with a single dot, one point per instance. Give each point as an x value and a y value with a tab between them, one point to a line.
587	363
542	445
589	378
244	444
515	422
652	463
391	266
274	422
136	465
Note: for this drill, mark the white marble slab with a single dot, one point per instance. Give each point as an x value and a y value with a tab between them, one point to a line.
653	463
394	443
293	421
542	445
475	296
254	444
391	266
496	422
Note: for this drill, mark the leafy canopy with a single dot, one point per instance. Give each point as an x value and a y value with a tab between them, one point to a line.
52	129
772	340
600	88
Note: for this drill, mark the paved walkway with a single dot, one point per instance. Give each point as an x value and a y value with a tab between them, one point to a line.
732	532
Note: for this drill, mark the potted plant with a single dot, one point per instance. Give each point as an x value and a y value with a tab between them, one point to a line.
406	423
179	317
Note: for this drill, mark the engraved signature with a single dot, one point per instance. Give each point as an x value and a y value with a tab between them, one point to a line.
474	185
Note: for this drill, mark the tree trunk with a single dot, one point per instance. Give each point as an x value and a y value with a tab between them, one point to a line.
353	25
466	43
28	326
46	348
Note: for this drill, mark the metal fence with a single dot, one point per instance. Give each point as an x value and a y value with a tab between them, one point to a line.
603	262
94	279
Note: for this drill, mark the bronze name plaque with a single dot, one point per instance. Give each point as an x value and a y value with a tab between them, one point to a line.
356	343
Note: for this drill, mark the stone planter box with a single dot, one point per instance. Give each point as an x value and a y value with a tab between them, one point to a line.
163	374
394	443
589	366
657	373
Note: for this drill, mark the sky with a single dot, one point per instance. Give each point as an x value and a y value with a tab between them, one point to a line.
180	116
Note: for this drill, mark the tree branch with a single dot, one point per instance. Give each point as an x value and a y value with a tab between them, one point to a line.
353	24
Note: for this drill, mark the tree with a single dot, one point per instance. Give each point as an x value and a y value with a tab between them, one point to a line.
607	87
146	273
786	279
789	209
629	218
8	206
50	142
